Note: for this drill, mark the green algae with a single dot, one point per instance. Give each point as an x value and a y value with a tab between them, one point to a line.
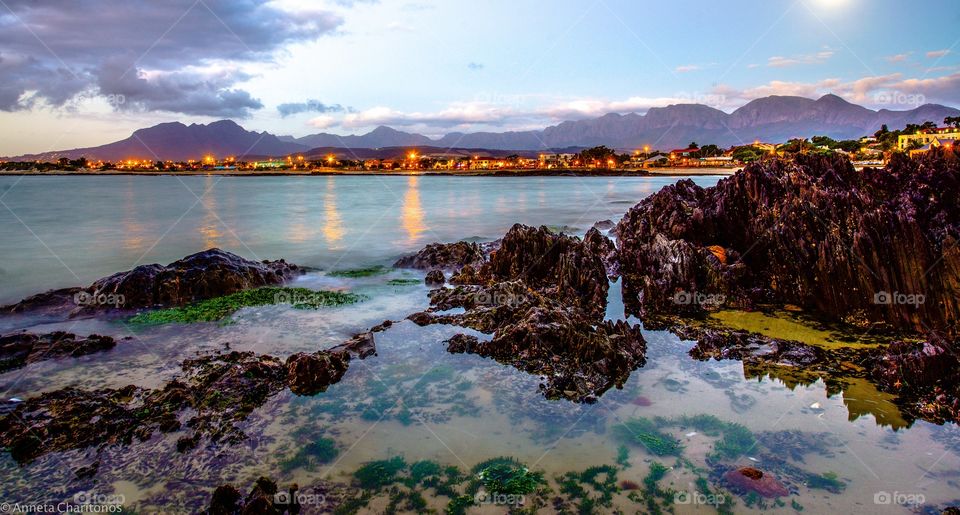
784	325
623	456
375	475
212	310
507	476
321	450
592	488
827	481
646	433
403	282
358	273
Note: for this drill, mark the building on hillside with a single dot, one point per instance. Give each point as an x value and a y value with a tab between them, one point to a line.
684	157
947	143
924	138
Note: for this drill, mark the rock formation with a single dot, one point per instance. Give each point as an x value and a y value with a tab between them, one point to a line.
877	246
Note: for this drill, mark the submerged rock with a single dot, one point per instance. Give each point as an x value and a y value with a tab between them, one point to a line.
20	349
266	497
749	479
873	246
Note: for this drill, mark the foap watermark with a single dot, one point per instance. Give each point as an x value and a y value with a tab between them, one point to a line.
706	300
498	99
899	498
287	498
898	298
700	499
499	499
899	98
707	99
85	298
115	100
299	299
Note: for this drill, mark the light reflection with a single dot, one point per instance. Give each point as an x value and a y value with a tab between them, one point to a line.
333	229
134	237
210	228
411	215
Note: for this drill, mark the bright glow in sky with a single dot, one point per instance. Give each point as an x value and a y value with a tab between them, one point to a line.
346	66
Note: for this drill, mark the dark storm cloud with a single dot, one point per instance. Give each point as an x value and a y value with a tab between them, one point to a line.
55	49
310	106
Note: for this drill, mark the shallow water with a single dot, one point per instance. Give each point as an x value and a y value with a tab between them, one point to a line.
414	399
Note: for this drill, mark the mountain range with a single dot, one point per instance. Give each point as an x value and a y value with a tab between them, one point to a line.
771	119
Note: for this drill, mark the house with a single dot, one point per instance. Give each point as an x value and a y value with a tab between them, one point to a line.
924	138
946	143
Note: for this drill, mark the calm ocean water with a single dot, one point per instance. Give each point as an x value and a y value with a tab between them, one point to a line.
65	231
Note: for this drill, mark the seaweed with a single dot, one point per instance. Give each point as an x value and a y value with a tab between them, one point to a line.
644	432
374	475
218	308
601	479
827	481
507	476
321	450
356	273
403	282
623	456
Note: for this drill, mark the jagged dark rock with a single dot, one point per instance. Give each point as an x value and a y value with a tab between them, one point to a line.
925	376
543	297
435	278
599	245
310	374
813	232
451	256
604	225
19	349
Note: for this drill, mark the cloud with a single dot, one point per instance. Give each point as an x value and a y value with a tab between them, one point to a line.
686	68
898	58
783	62
323	122
936	54
310	106
172	58
475	66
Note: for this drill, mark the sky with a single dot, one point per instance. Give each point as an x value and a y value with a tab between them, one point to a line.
76	73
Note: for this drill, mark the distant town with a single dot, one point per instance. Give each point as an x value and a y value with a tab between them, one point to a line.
873	150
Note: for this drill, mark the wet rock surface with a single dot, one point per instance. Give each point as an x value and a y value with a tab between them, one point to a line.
20	349
749	479
208	274
213	394
266	497
542	296
435	278
310	374
813	232
451	256
204	275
